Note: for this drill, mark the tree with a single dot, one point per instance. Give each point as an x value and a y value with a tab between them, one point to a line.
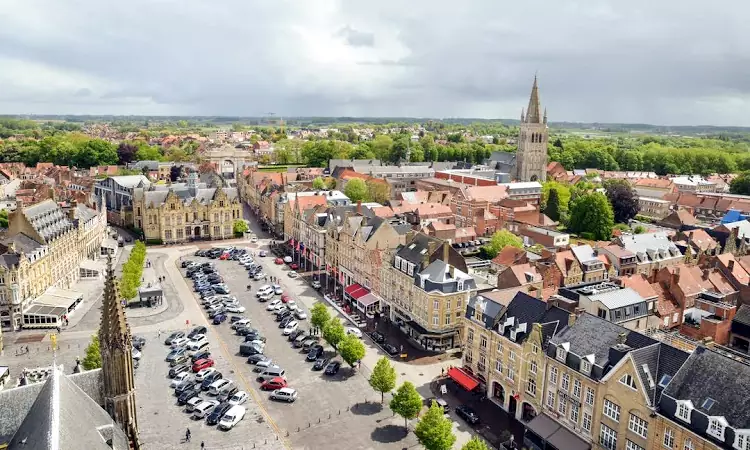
592	214
407	402
93	358
319	183
356	190
741	184
552	210
4	218
639	229
126	152
500	240
383	377
174	173
624	201
352	349
475	444
435	431
319	316
563	194
334	333
240	227
378	191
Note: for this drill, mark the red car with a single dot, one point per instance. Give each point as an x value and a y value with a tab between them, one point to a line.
202	364
285	298
278	261
293	266
275	383
224	256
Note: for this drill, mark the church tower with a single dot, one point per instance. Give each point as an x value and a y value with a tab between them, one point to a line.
531	156
115	343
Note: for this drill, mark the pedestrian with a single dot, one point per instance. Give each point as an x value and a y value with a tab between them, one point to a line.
203	446
187	435
158	334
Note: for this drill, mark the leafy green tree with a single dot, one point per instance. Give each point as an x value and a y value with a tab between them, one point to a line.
383	377
378	191
475	444
552	210
240	227
382	145
563	194
592	214
351	349
500	240
334	332
319	316
356	190
639	229
4	218
407	402
93	358
318	183
435	431
741	184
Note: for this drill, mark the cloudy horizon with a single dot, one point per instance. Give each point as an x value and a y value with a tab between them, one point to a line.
666	62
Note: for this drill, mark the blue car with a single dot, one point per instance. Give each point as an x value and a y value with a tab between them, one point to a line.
219	318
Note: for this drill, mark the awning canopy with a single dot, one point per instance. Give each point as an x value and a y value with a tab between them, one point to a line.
555	434
367	300
466	381
91	265
356	291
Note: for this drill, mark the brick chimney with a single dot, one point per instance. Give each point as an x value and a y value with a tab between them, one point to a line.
359	206
730	266
446	251
676	276
705	274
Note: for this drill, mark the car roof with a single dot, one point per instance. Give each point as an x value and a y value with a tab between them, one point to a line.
235	409
277	380
287	390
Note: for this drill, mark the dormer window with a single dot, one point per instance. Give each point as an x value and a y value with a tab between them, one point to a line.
684	409
562	351
585	367
628	381
716	427
742	440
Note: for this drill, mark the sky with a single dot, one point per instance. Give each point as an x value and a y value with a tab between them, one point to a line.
672	62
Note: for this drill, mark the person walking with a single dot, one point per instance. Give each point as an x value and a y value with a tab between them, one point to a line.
187	435
203	446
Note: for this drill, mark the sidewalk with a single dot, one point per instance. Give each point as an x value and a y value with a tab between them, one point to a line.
150	280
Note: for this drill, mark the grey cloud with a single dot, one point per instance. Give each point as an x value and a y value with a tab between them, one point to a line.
671	61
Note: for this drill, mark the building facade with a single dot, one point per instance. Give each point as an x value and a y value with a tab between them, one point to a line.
531	156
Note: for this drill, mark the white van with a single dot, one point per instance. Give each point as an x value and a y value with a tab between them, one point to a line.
216	387
232	417
197	347
271	373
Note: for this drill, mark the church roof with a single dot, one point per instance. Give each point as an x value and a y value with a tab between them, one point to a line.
533	113
114	327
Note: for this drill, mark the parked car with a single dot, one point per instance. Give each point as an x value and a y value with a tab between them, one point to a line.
287	322
294	334
216	312
281	315
377	337
232	417
240	323
185	385
354	331
187	395
255	359
294	266
248	349
218	413
220	385
239	398
233	319
309	342
390	349
284	394
320	363
315	352
235	309
172	355
333	368
178	369
467	414
265	297
259	276
202	374
245	330
173	336
278	261
316	284
204	408
292	274
226	394
441	403
263	253
197	330
180	378
139	342
262	366
299	314
179	359
265	289
220	318
273	384
203	354
277	289
202	364
192	403
221	288
254	336
288	259
210	379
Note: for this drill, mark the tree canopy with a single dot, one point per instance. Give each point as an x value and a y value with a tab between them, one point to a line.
501	239
383	377
132	272
741	184
240	227
319	183
356	190
352	349
435	431
407	402
592	217
319	316
552	209
333	332
624	200
475	444
93	358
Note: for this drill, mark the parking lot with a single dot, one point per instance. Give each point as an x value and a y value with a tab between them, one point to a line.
326	405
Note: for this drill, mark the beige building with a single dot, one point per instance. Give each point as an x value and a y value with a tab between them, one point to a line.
653	207
425	291
181	213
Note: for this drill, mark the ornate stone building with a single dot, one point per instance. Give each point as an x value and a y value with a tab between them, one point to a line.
531	156
181	213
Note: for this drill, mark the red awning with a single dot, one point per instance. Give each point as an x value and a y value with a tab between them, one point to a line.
464	379
356	291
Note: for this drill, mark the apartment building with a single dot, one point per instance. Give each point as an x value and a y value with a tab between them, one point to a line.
653	251
655	208
118	191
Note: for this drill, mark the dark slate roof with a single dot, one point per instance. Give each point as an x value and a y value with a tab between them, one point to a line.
707	374
549	329
63	416
741	322
661	359
416	249
22	243
48	219
492	311
529	310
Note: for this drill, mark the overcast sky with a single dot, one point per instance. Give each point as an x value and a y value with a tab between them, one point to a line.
646	61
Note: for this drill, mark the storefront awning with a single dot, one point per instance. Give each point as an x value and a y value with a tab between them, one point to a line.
466	381
356	291
555	434
367	300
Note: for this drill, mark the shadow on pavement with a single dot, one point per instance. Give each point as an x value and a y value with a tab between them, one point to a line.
389	434
366	408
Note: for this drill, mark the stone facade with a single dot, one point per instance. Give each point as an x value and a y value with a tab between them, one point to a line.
531	157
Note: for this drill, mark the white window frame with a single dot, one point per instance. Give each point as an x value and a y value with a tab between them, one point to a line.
741	440
550	400
607	437
590	397
638	426
628	381
565	382
586	422
684	410
553	375
717	426
562	405
611	410
561	354
577	388
574	413
532	368
688	445
668	440
585	367
630	445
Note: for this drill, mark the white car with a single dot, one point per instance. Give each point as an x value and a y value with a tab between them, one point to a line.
198	339
254	239
291	326
180	342
136	354
179	378
259	344
292	274
266	297
204	408
288	259
232	417
355	331
292	305
284	395
239	398
316	284
277	289
235	308
273	304
192	403
265	289
259	276
240	323
279	307
299	314
203	373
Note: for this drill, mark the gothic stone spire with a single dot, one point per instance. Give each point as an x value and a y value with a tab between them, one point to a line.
117	361
533	111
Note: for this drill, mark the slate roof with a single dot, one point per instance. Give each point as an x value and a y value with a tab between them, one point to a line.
529	310
48	219
707	374
618	298
22	243
185	194
416	249
660	359
491	310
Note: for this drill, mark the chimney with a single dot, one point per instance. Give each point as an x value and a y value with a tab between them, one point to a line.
676	276
690	236
705	274
359	206
730	266
446	251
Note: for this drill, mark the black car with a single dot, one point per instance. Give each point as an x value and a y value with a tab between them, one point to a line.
199	253
467	414
316	351
197	330
244	331
233	319
283	315
320	363
207	264
255	359
377	337
333	368
390	349
205	354
173	336
185	387
138	342
214	278
174	371
210	378
187	395
224	396
208	270
216	312
285	321
185	263
218	413
219	319
293	335
254	337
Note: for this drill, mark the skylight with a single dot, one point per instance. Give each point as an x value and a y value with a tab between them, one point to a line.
411	246
423	251
665	379
708	403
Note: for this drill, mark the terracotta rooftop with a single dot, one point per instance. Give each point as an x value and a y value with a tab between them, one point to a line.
508	255
740	267
639	283
660	183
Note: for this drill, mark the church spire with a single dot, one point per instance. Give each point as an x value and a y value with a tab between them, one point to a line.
533	111
115	343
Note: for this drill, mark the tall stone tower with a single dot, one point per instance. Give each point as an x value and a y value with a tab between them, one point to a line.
115	343
531	156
